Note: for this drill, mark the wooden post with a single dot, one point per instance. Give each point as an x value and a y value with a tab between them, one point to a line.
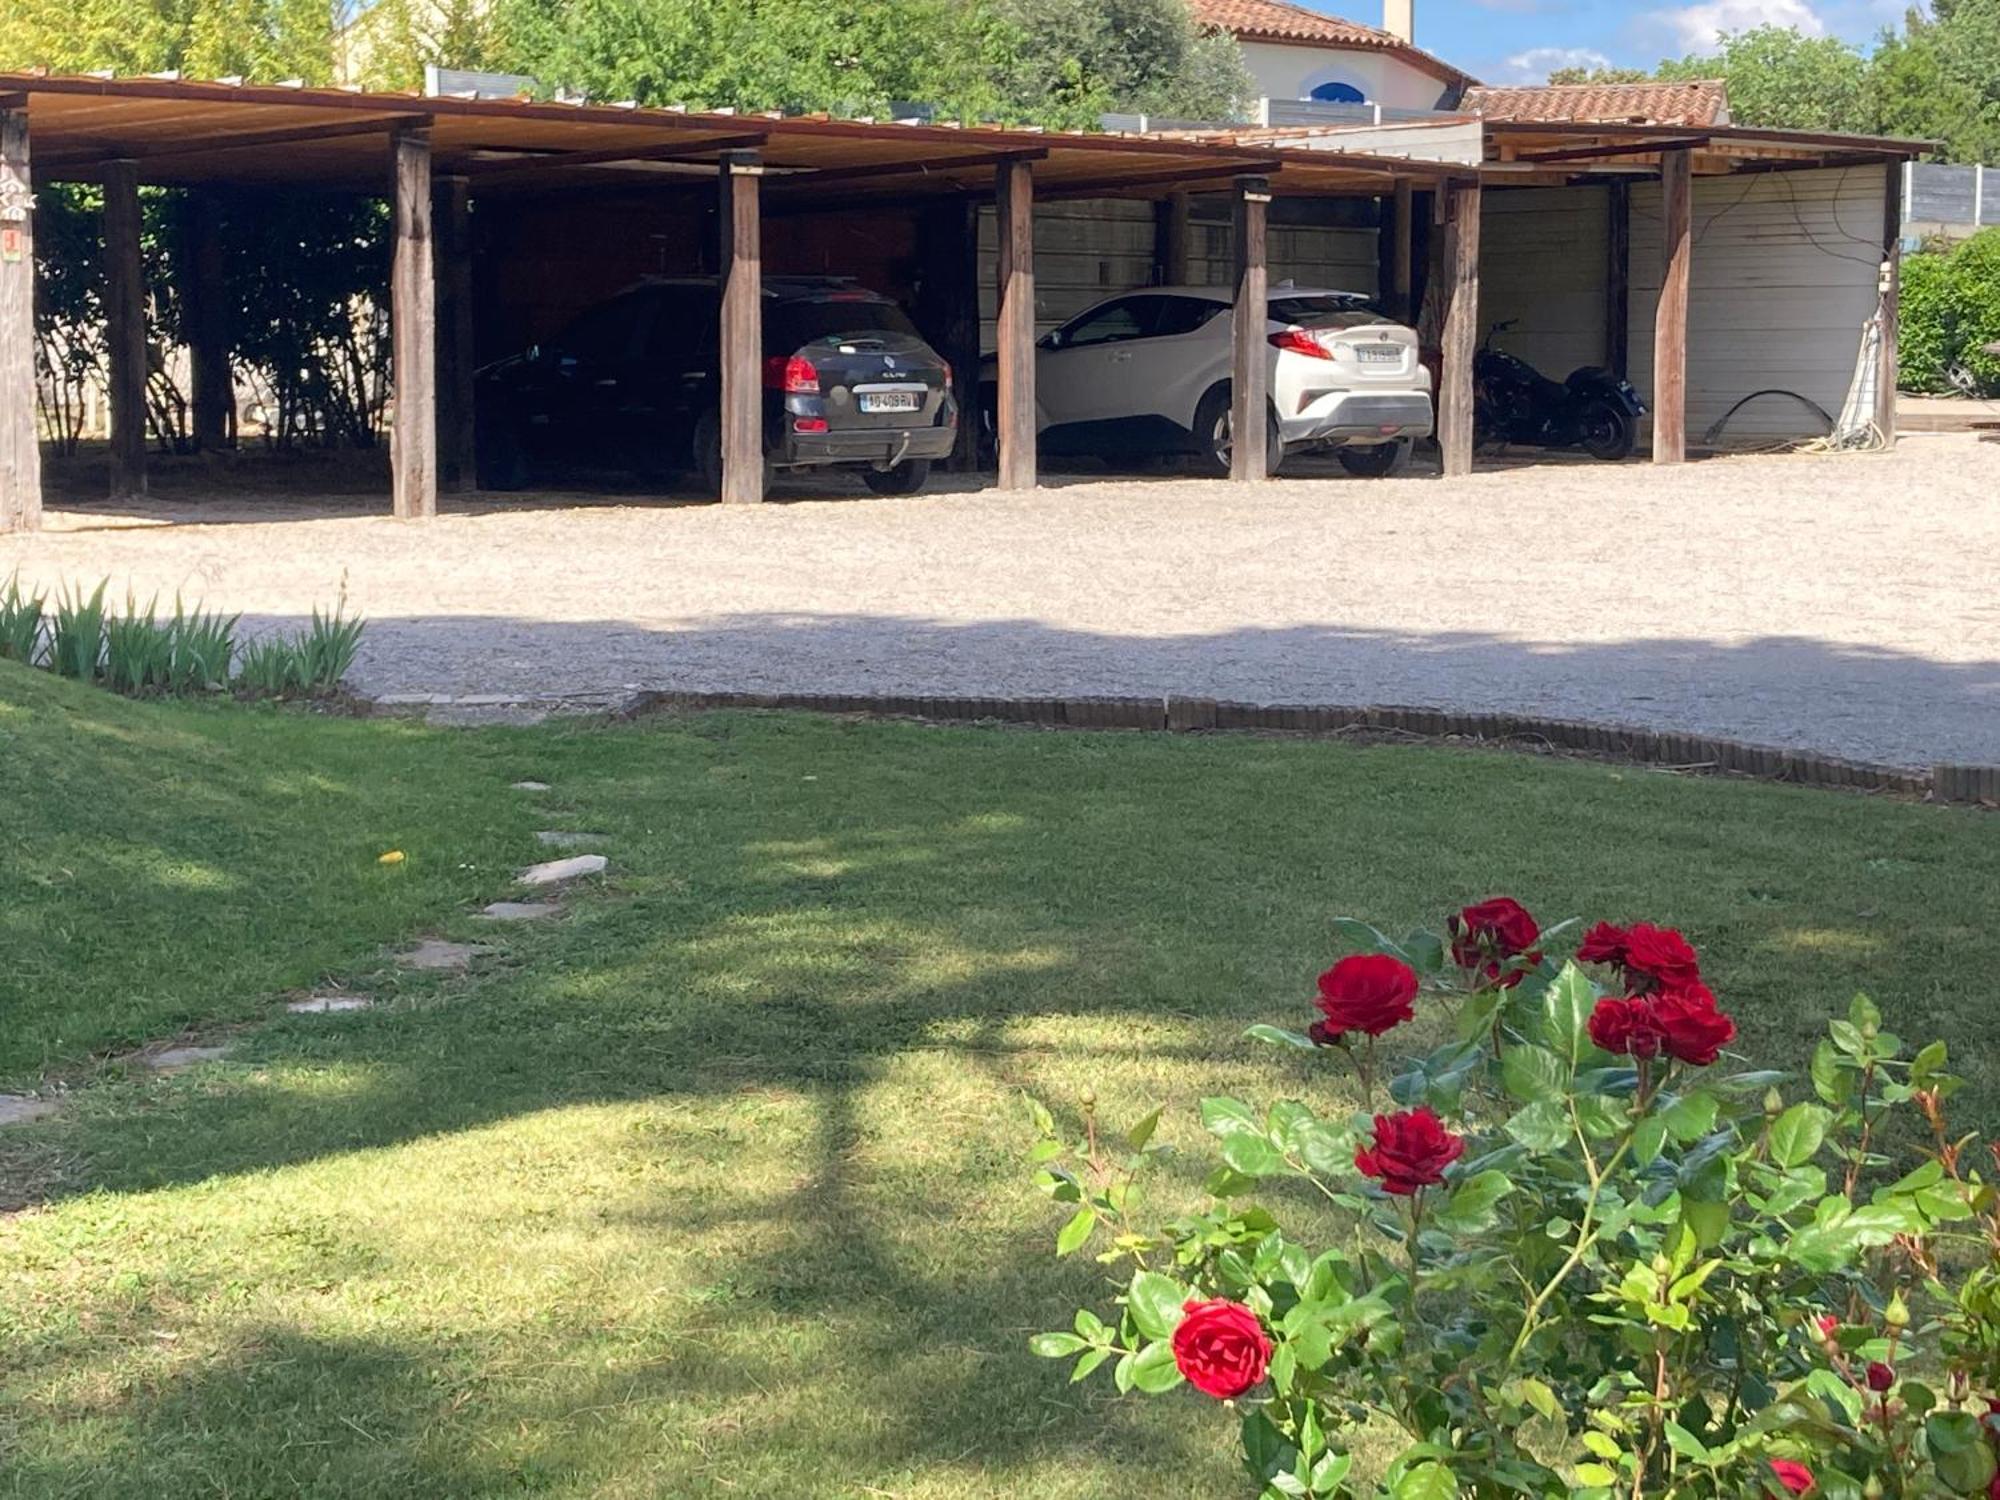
456	354
1618	283
20	455
1250	354
1171	230
1402	267
741	258
207	322
1460	344
1670	328
1015	418
1889	366
125	328
413	330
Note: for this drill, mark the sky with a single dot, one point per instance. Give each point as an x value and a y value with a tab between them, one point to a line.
1519	41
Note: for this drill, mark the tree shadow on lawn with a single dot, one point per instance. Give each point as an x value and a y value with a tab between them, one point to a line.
799	1018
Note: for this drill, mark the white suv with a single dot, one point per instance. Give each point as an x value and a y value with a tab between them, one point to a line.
1148	372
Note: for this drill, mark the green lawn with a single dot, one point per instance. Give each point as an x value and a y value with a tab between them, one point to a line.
715	1187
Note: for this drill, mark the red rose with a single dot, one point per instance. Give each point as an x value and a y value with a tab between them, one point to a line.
1880	1377
1411	1151
1993	1489
1603	944
1486	934
1661	955
1696	1031
1221	1348
1628	1027
1368	992
1795	1477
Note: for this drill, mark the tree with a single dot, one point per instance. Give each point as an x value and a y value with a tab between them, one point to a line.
263	39
1776	76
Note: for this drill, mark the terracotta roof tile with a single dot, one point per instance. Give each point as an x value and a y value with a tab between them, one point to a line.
1696	102
1281	21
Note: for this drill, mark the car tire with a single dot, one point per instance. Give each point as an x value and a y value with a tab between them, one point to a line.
1608	431
1211	436
908	477
498	460
1374	460
708	457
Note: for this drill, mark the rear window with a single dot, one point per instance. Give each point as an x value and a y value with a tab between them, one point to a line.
1315	311
835	319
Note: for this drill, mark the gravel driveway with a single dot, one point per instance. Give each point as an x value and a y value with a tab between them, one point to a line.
1849	605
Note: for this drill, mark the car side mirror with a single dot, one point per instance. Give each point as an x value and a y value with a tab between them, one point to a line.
534	354
1053	339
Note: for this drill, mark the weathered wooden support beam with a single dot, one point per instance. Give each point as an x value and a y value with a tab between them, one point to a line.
1015	334
125	328
456	344
1670	347
1460	292
1250	352
20	454
741	258
1618	283
205	298
413	331
1889	367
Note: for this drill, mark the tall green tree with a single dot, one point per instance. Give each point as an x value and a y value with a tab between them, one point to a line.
1777	77
261	39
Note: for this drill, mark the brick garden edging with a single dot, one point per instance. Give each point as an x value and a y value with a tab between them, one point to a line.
1944	783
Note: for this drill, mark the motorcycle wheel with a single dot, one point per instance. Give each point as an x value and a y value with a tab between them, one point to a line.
1606	431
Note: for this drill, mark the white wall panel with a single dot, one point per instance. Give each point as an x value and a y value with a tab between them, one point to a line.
1786	271
1544	262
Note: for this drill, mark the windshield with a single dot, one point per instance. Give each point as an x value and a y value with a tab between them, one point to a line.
1322	310
836	320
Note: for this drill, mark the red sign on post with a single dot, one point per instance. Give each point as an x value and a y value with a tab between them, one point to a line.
13	244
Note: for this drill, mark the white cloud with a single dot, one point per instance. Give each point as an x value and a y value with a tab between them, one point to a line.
1698	28
1535	65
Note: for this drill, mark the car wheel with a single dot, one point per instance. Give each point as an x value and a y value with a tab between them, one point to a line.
708	456
909	476
498	462
1372	460
1214	443
1607	431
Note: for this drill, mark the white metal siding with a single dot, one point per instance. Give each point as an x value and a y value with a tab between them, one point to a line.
1544	262
1786	271
1089	249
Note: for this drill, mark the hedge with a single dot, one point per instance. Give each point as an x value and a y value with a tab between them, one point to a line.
1950	309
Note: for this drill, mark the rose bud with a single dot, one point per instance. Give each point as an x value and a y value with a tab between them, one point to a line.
1881	1377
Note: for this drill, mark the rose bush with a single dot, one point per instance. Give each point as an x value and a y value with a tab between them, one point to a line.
1590	1256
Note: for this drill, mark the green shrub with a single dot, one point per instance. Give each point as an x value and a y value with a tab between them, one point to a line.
272	667
1950	310
203	646
138	650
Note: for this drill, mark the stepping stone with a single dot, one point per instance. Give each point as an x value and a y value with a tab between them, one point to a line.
531	786
436	953
557	838
321	1005
19	1109
519	911
557	870
177	1059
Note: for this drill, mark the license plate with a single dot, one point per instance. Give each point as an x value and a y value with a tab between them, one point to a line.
1379	354
892	401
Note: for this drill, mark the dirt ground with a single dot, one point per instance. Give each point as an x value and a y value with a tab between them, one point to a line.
1846	604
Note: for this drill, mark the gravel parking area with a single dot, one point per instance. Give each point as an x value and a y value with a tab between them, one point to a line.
1849	605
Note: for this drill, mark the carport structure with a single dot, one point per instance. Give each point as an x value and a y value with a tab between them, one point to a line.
433	156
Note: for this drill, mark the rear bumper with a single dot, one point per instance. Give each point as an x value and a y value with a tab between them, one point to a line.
1357	415
868	445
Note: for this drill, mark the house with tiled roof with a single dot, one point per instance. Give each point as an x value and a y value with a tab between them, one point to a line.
1294	52
1694	103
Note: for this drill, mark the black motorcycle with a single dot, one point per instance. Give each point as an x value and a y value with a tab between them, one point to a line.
1513	402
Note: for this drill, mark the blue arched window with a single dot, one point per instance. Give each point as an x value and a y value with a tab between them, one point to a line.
1339	93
